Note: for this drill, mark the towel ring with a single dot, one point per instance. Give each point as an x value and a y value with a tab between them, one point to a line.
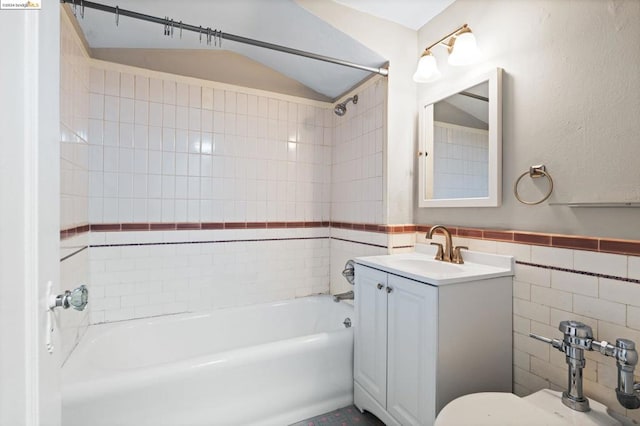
534	172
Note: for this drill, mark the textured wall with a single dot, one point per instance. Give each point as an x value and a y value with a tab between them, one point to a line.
570	101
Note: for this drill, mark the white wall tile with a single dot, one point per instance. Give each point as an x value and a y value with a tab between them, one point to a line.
155	90
534	311
96	80
182	95
112	83
551	256
551	297
575	283
155	114
127	85
599	309
141	112
169	92
141	88
533	275
126	135
620	291
633	317
96	106
602	263
633	267
140	137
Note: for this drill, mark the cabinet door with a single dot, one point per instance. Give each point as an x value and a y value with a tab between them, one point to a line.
412	322
370	352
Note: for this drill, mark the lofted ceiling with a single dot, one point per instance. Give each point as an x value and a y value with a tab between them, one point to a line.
282	22
409	13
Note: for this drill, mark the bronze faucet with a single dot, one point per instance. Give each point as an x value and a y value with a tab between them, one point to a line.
450	254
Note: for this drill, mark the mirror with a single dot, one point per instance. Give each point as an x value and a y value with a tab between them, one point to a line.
460	144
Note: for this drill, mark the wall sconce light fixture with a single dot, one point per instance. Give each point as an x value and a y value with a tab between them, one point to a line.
462	48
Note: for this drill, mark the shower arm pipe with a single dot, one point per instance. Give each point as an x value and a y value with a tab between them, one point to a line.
227	36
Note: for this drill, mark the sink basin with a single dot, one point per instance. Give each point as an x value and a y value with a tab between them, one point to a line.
421	266
433	266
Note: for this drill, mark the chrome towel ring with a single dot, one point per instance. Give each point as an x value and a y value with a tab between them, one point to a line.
534	172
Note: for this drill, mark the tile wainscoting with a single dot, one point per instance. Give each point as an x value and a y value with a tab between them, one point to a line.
559	277
152	272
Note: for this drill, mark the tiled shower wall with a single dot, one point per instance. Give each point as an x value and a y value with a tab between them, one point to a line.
182	153
74	181
357	166
165	149
357	178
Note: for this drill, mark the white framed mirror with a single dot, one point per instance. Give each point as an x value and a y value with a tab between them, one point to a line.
460	143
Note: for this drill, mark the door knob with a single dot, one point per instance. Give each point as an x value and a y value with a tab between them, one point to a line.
76	299
389	289
380	286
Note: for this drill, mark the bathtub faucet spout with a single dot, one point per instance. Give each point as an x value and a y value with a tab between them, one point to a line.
343	296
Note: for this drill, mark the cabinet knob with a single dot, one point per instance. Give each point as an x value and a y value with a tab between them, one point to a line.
389	289
380	286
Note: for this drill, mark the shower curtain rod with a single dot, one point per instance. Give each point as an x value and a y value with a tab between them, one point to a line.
209	33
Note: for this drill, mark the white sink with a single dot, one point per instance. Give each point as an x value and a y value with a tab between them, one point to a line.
421	266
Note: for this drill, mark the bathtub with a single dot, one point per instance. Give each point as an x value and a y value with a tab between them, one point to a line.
270	364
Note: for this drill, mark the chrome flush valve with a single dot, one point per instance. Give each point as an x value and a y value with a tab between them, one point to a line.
76	298
578	337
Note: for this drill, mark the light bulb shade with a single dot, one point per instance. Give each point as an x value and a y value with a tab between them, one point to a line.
464	50
427	70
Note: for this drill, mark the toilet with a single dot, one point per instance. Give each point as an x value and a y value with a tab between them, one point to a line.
544	407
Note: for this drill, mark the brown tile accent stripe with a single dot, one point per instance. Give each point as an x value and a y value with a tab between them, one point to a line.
620	246
575	242
71	232
116	227
135	226
606	245
497	235
536	239
470	233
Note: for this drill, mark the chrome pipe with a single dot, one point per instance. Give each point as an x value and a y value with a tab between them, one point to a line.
348	295
227	36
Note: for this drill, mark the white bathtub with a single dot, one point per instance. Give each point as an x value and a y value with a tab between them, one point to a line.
270	364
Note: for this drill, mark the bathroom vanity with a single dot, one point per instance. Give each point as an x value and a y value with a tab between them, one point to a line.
429	331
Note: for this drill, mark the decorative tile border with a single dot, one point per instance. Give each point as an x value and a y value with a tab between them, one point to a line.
116	227
169	243
359	242
574	271
72	232
604	245
79	250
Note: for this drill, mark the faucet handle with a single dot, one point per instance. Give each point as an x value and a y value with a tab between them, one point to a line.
457	256
440	253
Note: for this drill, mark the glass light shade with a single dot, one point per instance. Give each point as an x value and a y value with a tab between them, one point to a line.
465	51
427	70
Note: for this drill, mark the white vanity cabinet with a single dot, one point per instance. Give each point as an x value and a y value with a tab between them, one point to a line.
419	346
